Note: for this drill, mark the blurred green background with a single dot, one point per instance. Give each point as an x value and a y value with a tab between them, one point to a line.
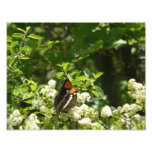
116	49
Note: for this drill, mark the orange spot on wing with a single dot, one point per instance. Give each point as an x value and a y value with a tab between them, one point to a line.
73	90
68	85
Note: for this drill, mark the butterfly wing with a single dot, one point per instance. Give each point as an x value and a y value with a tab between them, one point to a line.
66	98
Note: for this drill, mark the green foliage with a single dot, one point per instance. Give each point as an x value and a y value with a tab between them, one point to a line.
34	58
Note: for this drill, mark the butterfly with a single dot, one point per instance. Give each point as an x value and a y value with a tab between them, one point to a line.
67	97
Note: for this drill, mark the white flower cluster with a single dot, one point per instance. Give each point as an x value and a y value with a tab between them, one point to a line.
106	112
84	115
137	92
49	89
128	112
82	97
32	123
15	119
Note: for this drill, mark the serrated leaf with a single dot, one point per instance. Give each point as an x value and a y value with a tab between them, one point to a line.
33	36
17	35
21	30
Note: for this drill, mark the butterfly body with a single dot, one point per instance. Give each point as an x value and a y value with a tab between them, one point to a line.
67	97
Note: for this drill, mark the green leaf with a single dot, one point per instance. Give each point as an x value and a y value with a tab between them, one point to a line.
24	58
95	93
33	87
28	108
75	82
97	75
15	92
82	78
33	36
27	28
99	90
59	75
31	82
74	72
119	43
66	66
21	30
17	35
86	72
18	72
9	39
52	42
24	89
26	48
86	85
28	101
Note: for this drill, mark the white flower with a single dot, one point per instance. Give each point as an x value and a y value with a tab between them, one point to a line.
125	108
133	107
84	108
32	122
106	112
52	83
51	93
38	103
85	122
47	88
14	119
76	113
43	109
42	90
94	124
122	120
83	97
136	117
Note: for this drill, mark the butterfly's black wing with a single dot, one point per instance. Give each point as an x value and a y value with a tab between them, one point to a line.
67	97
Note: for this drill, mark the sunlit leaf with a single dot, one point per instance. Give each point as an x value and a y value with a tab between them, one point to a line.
33	36
97	75
59	74
17	35
18	72
28	28
66	66
20	30
82	78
